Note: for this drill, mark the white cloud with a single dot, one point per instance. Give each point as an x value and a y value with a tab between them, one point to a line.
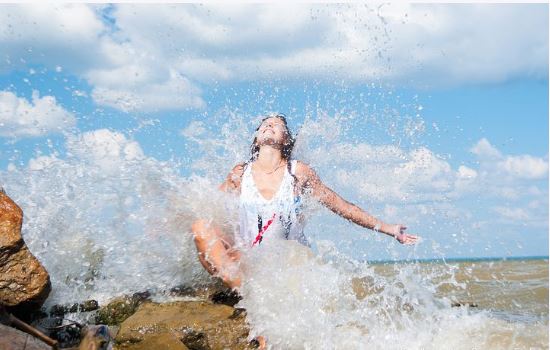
174	93
104	148
466	173
74	39
526	166
417	184
40	116
493	162
534	204
194	129
58	36
155	57
386	174
512	213
427	43
42	162
504	191
484	149
223	30
470	43
510	179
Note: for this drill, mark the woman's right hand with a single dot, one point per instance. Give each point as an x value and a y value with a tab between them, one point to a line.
402	237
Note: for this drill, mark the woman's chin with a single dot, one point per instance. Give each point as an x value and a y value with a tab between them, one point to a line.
269	142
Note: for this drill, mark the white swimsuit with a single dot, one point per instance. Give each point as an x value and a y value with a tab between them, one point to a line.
277	218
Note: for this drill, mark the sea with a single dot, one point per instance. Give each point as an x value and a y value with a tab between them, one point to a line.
332	302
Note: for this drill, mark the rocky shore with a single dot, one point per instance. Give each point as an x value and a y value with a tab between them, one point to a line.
184	325
24	282
194	319
207	320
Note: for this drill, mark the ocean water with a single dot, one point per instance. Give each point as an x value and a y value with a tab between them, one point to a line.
301	301
106	219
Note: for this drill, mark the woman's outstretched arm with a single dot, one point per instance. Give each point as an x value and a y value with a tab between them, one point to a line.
330	199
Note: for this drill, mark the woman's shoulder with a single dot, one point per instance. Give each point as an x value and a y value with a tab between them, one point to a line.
303	169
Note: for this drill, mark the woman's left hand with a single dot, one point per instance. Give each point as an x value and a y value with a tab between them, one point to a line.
402	237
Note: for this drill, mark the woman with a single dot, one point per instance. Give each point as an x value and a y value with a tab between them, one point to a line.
270	187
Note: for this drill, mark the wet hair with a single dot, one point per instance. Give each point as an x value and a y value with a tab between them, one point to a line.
286	152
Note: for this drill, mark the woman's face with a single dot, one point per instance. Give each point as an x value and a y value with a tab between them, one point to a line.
272	131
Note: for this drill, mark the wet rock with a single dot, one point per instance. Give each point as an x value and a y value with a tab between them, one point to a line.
226	297
72	335
182	291
199	325
94	258
67	333
116	311
141	296
120	308
238	313
195	340
13	339
164	341
60	310
24	282
365	286
464	303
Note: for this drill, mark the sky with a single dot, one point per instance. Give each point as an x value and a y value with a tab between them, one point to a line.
433	114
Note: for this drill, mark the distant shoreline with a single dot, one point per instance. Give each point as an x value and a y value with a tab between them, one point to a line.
452	260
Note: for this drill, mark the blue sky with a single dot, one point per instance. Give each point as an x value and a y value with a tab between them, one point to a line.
451	100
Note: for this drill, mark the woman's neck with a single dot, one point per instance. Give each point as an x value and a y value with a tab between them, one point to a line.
269	158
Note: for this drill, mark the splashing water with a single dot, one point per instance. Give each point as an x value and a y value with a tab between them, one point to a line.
107	220
301	301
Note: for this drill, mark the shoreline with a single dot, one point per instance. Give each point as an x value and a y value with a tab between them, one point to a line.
455	260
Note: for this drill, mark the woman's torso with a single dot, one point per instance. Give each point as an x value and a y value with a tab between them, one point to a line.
263	219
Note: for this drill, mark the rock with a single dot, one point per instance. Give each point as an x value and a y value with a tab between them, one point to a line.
120	309
227	297
182	291
13	339
238	312
195	340
60	310
165	341
464	303
24	282
198	325
75	336
65	333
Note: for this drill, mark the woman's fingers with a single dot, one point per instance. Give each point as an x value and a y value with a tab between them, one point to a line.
405	238
410	239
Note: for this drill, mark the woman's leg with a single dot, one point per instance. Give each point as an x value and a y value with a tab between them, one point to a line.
216	254
219	258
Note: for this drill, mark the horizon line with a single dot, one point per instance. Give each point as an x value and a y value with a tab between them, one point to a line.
460	259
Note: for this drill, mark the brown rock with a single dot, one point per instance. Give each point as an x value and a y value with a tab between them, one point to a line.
165	341
23	280
120	309
13	339
198	325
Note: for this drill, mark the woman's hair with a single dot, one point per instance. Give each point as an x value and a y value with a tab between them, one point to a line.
288	145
